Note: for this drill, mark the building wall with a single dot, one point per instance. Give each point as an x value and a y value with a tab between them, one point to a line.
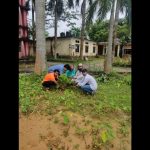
23	30
63	47
67	47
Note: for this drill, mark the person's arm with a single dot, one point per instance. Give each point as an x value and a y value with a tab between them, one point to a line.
55	81
84	81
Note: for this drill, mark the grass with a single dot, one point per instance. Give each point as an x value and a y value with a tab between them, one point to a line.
113	94
122	62
110	104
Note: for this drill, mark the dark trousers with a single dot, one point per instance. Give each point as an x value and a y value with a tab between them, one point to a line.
49	84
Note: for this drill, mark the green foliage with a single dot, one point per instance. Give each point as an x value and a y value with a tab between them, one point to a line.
80	131
76	146
64	81
102	77
123	32
113	94
107	133
98	31
102	134
122	62
75	31
26	105
124	129
66	119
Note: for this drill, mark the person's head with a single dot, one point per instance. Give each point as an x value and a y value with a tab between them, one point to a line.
67	67
84	72
72	66
56	73
80	67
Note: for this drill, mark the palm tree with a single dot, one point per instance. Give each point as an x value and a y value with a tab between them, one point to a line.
83	11
40	62
108	60
83	14
115	27
57	8
121	6
104	8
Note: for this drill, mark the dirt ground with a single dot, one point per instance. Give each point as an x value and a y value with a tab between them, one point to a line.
40	132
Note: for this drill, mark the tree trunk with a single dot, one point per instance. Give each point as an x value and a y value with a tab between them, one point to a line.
115	28
33	27
108	58
55	39
40	62
83	9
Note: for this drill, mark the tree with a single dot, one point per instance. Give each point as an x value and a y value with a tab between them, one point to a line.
40	62
75	32
123	32
83	16
121	6
104	7
56	7
115	27
108	60
98	31
33	26
83	9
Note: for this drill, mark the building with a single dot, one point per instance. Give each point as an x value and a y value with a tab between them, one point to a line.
120	50
68	46
127	49
102	48
23	29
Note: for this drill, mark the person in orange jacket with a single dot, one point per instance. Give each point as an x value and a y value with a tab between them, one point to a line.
50	79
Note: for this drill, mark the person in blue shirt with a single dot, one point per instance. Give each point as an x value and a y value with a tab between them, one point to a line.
63	68
59	67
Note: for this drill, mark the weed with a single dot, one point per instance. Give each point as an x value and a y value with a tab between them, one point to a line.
80	131
76	146
42	137
101	134
123	128
66	119
56	120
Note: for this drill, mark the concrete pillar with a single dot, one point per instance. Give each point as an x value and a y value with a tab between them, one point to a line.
104	47
118	49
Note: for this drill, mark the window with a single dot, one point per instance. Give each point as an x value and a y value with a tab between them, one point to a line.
19	34
19	46
77	48
94	49
77	41
86	49
127	51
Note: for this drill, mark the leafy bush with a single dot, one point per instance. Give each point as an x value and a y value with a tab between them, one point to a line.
113	76
102	78
122	62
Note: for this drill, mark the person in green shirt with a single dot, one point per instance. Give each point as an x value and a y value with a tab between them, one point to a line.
70	72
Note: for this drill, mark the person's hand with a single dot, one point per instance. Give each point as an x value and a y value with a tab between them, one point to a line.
77	85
